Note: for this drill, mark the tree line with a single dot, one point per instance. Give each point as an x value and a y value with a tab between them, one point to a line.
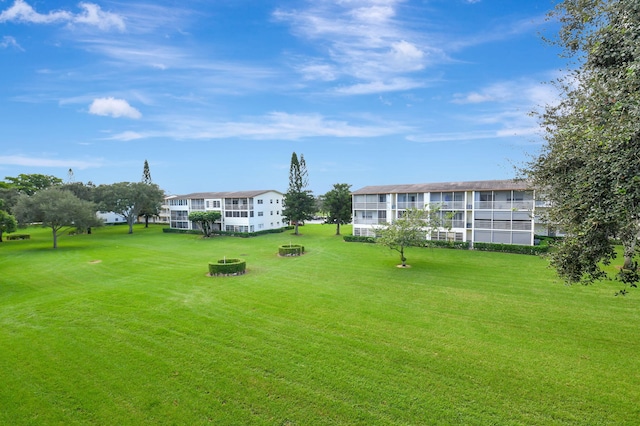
46	199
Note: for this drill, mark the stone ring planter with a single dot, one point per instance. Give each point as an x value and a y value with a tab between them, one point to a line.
226	267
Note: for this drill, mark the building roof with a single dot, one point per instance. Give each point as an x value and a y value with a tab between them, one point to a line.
481	185
227	194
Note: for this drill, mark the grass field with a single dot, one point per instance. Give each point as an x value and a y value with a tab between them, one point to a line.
112	328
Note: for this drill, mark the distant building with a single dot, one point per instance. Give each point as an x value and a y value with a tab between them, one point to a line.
241	211
494	211
111	218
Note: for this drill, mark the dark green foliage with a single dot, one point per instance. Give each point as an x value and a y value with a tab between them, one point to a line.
29	184
589	168
205	220
228	267
459	245
511	248
291	250
8	223
229	233
18	237
57	209
358	239
128	199
299	202
337	203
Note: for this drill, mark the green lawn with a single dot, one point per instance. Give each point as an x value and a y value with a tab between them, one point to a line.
125	329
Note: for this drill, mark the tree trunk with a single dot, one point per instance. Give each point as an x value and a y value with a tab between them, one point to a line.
296	228
402	258
55	238
338	228
146	221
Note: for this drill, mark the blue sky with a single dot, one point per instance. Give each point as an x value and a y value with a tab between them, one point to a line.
217	94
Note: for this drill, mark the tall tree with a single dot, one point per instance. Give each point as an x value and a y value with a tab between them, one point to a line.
152	208
589	168
299	203
8	223
128	199
57	209
409	230
31	183
337	203
146	174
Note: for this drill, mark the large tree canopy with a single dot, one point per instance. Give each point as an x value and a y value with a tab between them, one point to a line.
589	168
57	209
31	183
299	203
128	199
337	204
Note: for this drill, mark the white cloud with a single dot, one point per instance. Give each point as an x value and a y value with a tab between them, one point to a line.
92	14
363	40
20	160
522	91
8	41
273	126
113	108
394	85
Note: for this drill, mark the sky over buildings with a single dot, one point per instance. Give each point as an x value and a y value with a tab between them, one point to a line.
216	95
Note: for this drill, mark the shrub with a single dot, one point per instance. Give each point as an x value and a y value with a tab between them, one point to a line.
18	237
511	248
228	267
358	239
460	245
291	250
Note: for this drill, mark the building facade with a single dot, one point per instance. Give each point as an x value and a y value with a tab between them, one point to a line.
494	211
241	211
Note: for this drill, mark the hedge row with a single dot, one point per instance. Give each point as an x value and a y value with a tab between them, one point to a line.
464	245
358	239
227	233
511	248
18	237
459	245
227	267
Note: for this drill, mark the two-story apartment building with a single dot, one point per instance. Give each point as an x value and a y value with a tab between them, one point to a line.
241	211
495	211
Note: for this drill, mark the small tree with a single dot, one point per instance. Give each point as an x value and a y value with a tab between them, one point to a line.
299	203
8	223
337	204
409	230
57	209
206	221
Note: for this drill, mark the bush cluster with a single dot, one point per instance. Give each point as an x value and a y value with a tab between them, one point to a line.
358	239
228	233
291	250
459	245
511	248
227	267
18	237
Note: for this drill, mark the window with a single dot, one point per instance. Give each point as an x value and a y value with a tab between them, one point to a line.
260	213
271	201
216	204
277	201
259	201
197	204
382	198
